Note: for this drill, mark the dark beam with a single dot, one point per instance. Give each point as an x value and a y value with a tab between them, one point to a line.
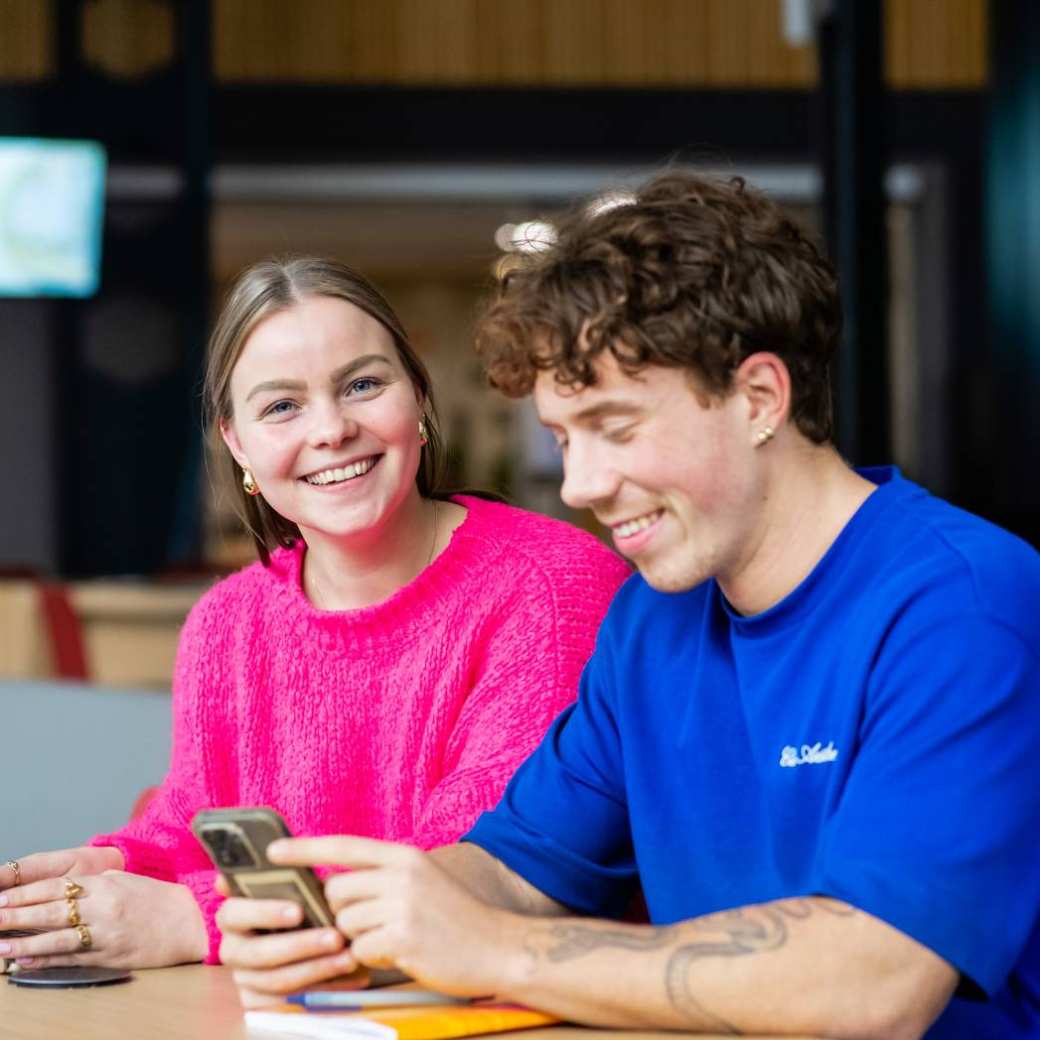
1005	429
853	150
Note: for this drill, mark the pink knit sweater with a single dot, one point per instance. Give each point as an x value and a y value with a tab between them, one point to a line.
401	721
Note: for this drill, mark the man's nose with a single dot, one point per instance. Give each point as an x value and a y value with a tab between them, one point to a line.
587	481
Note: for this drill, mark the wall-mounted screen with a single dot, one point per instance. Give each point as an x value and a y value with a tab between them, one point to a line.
52	203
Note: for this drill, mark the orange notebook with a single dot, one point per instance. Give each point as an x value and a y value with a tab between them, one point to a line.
405	1023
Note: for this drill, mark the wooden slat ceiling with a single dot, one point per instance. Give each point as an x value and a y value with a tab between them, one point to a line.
731	44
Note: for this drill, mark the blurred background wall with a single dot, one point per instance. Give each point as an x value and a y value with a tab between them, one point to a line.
401	135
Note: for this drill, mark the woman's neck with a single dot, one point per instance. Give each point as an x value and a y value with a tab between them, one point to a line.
340	574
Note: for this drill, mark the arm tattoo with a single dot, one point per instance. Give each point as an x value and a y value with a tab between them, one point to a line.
754	929
575	940
731	933
740	932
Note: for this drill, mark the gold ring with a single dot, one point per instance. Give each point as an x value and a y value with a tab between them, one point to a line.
85	940
13	864
74	920
72	890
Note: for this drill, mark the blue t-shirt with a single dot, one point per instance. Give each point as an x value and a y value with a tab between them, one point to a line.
874	737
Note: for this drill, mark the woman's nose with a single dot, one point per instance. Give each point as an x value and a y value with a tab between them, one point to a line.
331	426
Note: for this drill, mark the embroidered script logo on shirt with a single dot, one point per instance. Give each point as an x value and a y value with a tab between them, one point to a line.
810	754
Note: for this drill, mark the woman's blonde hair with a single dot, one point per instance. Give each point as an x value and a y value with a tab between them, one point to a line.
276	285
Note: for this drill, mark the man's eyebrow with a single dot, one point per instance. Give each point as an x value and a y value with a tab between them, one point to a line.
340	374
606	410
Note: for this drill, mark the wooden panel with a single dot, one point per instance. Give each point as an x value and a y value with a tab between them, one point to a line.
509	42
519	43
630	33
969	45
373	40
769	54
726	29
723	44
935	46
25	650
897	42
26	32
128	38
573	41
436	41
929	32
683	33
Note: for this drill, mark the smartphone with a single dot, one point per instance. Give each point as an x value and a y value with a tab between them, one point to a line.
237	840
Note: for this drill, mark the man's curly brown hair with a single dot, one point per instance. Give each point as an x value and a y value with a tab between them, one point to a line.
694	272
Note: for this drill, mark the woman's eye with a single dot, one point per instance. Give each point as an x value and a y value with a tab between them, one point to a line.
279	409
618	436
364	385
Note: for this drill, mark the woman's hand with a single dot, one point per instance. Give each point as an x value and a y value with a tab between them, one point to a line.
130	921
42	865
267	967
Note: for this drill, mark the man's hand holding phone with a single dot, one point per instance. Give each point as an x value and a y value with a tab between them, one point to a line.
268	963
278	931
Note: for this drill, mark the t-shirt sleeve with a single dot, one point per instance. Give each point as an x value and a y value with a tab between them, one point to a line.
936	831
563	821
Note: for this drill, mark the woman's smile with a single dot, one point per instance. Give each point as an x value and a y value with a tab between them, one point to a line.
334	476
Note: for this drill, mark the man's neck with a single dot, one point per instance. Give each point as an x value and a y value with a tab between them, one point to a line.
810	496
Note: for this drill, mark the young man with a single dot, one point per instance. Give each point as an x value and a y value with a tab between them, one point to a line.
809	730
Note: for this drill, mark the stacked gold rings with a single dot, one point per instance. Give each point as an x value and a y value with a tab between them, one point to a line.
72	892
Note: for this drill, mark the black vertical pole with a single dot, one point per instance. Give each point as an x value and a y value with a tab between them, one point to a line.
70	481
853	167
1011	449
185	542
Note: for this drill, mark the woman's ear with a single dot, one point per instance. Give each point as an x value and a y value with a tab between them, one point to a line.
230	438
765	382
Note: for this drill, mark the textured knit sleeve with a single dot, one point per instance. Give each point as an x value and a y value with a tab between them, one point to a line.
528	673
160	843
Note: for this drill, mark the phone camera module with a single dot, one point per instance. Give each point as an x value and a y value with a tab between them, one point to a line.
229	848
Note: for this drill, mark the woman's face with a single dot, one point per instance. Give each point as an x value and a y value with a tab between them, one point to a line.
326	418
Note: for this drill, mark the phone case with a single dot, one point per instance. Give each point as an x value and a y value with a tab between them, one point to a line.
237	839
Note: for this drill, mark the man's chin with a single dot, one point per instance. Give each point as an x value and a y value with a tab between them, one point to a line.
662	578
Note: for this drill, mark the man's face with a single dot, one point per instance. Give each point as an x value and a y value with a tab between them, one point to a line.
673	477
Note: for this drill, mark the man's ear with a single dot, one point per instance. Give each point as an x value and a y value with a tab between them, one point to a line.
765	382
227	432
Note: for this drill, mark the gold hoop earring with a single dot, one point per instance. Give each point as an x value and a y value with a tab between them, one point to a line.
249	484
424	433
766	434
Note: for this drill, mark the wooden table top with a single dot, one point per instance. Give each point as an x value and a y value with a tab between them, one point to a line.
192	1002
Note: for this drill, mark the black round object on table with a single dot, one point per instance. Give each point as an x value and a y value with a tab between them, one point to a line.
66	978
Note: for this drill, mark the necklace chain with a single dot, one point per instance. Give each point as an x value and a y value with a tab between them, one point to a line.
433	544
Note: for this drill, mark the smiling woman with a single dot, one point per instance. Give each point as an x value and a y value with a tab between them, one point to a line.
275	306
320	411
381	670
